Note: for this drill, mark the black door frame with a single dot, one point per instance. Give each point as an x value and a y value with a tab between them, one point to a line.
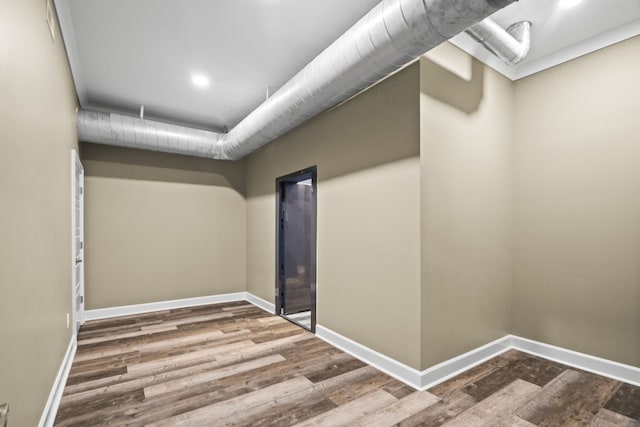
294	177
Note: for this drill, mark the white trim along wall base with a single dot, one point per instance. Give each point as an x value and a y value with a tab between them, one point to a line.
53	402
128	310
420	380
607	368
257	301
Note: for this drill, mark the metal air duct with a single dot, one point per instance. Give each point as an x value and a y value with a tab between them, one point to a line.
134	132
391	35
510	45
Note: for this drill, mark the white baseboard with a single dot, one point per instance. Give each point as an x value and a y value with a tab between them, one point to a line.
607	368
127	310
457	365
51	407
389	366
420	380
259	302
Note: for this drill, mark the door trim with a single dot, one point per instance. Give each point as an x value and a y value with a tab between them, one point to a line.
75	163
313	171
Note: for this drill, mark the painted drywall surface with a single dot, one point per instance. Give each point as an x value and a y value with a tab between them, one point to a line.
37	133
367	153
577	205
161	227
466	145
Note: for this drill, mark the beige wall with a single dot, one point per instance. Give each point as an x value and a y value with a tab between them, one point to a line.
577	205
415	207
465	153
367	152
37	133
161	227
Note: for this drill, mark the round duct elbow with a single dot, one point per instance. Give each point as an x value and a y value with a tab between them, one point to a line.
510	45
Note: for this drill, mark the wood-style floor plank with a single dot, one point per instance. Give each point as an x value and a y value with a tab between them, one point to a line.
360	387
188	359
220	413
573	398
626	401
234	364
453	404
137	379
191	380
144	331
472	375
148	346
607	418
512	421
353	411
398	410
306	405
520	366
496	408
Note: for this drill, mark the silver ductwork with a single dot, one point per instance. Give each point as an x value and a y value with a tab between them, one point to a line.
391	35
134	132
510	45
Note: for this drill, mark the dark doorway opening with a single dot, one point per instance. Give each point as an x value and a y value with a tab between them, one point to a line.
296	209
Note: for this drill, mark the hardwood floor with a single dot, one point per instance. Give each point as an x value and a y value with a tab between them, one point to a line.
234	364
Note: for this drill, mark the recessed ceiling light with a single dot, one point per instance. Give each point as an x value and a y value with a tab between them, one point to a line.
199	80
566	4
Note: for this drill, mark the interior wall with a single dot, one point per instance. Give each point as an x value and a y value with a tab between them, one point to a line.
390	163
466	138
577	205
368	260
37	133
161	227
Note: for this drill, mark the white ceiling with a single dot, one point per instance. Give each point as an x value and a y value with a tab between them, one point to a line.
560	33
126	53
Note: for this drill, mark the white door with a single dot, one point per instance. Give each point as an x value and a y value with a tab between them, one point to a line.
77	227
